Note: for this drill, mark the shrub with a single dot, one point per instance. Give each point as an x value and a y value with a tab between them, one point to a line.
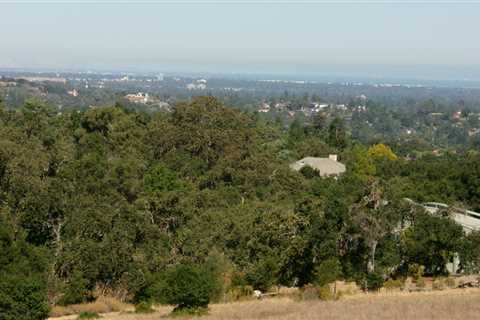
144	307
188	287
22	298
263	275
420	283
374	281
88	315
238	292
325	293
450	282
309	172
327	272
438	284
76	291
416	271
393	284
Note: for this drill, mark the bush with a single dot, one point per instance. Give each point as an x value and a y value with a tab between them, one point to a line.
263	275
393	284
308	172
22	298
76	291
438	284
144	307
450	282
327	272
374	281
88	315
420	283
416	271
238	292
188	287
325	293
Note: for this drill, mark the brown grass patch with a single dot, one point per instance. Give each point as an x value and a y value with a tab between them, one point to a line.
101	305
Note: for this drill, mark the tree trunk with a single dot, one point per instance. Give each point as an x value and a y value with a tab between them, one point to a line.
371	257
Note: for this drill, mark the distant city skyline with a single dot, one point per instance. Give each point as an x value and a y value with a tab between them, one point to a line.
420	39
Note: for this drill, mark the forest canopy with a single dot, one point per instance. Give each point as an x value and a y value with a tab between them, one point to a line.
112	198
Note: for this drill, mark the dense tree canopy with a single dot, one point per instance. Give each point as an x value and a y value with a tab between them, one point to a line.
109	198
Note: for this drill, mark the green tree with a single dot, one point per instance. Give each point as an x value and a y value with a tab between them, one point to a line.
337	134
432	242
188	287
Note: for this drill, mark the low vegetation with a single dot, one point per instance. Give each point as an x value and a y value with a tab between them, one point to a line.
449	304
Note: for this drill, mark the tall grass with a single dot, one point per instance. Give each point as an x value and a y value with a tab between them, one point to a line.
448	304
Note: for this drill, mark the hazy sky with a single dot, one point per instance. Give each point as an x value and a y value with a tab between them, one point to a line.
435	40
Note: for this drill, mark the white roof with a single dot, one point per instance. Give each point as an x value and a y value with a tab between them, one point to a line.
325	166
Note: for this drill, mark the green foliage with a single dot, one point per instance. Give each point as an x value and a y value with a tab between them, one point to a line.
381	151
23	290
308	172
23	298
76	290
416	271
263	275
161	179
112	197
337	136
432	242
238	292
144	307
325	293
188	287
88	315
327	272
374	281
470	252
420	282
392	284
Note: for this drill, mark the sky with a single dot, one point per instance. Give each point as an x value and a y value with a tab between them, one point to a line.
373	38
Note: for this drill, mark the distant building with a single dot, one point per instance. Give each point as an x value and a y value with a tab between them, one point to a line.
73	93
264	107
138	98
196	86
317	107
325	166
200	84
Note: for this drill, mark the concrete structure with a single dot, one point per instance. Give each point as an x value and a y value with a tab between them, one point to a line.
138	98
469	220
325	166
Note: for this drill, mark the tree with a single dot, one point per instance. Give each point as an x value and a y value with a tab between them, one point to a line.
432	242
337	135
470	253
23	290
327	272
188	287
23	298
382	151
375	217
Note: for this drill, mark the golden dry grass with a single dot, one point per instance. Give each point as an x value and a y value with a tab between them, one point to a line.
101	305
450	304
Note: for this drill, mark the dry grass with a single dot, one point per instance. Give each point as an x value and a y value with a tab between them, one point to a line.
101	305
449	304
